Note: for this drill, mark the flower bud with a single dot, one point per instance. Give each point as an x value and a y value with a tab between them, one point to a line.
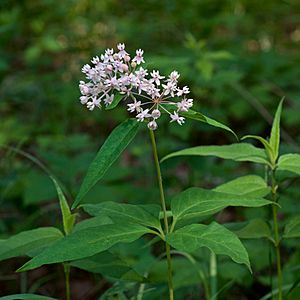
124	68
156	114
133	64
127	58
152	125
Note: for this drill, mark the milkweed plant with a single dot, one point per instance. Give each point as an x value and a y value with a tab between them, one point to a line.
185	226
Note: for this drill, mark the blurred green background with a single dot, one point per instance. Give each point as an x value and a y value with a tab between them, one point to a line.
238	57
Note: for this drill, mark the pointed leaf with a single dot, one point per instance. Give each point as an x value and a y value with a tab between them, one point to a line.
26	241
191	114
68	217
198	202
275	132
85	243
265	143
126	213
197	116
292	228
26	297
250	186
214	236
237	152
114	145
289	162
117	99
255	229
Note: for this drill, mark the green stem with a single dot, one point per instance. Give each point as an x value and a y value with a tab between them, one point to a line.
276	234
213	276
67	280
163	205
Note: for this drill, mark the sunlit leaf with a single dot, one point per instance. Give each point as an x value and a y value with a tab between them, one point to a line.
214	236
26	241
147	215
87	242
198	202
249	185
114	145
237	152
289	162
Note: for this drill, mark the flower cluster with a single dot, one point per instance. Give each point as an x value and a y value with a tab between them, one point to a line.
149	93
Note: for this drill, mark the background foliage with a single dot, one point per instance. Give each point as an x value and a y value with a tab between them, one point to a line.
238	57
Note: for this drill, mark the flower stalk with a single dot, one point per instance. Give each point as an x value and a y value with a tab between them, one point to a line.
165	217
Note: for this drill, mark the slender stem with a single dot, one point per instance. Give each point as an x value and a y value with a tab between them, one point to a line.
213	276
163	205
276	234
67	280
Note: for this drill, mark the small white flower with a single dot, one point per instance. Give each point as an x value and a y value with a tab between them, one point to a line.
156	77
109	99
170	88
177	118
84	99
84	88
185	90
93	103
185	104
122	53
173	77
139	56
152	125
135	106
142	115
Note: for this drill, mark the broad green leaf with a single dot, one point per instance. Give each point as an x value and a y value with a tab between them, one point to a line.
26	241
292	228
109	265
214	236
68	217
26	297
249	185
265	143
85	243
115	102
275	131
255	229
289	162
147	215
114	145
237	152
198	202
197	116
92	222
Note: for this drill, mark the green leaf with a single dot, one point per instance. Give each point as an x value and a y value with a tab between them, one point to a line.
26	297
115	102
265	143
292	228
237	152
198	202
114	145
197	116
109	265
214	236
289	162
85	243
147	215
26	241
249	186
255	229
68	217
275	131
92	222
